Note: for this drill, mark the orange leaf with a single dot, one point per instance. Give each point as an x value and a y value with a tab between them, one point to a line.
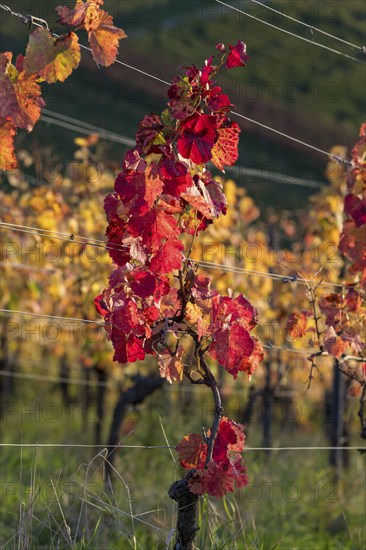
85	14
104	40
52	59
334	344
20	95
7	156
296	325
225	150
171	367
192	451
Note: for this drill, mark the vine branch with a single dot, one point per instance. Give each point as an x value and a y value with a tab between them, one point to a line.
211	382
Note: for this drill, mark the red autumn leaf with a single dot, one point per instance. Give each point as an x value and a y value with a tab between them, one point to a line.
239	309
143	284
100	305
219	203
199	202
356	209
111	203
230	345
126	350
125	317
334	344
352	245
7	155
154	228
225	150
149	127
20	95
217	101
51	58
104	40
331	306
201	288
241	476
170	302
230	437
226	469
180	108
217	480
206	72
197	138
237	56
296	325
192	451
171	367
168	258
353	300
251	363
176	176
170	204
138	190
116	233
133	161
151	314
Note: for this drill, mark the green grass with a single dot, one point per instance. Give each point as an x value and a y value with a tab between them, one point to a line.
56	497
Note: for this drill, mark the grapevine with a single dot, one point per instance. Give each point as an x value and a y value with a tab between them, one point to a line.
156	302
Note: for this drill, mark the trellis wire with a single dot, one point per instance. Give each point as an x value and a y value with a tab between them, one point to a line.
43	23
77	126
78	239
207	265
267	346
49	316
246	449
113	383
310	27
291	33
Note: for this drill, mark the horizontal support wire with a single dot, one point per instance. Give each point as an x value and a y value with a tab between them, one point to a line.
207	265
337	158
274	276
261	174
246	449
49	316
110	136
310	27
115	383
82	446
78	239
272	177
267	346
308	40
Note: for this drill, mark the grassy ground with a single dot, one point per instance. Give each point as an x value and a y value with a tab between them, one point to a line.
56	497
